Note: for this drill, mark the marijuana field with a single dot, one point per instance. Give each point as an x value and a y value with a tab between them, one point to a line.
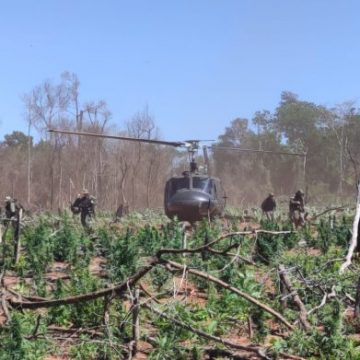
146	287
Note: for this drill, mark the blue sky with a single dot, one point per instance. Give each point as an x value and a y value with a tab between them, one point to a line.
196	64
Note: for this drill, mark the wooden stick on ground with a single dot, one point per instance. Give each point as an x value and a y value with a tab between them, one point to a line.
115	289
303	312
135	322
4	305
205	335
245	260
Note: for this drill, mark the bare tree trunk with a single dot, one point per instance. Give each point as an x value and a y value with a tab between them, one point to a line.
135	321
304	172
354	237
60	200
357	300
29	165
79	123
284	293
17	240
52	180
341	161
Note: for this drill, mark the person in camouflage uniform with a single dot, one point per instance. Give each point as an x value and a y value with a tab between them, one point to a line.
122	211
13	215
85	205
297	209
74	207
268	207
13	210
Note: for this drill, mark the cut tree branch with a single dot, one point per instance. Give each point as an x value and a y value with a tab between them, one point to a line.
245	260
115	289
343	207
257	350
225	285
303	312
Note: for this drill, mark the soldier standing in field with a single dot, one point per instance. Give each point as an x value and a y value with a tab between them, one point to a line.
13	215
297	209
268	207
74	207
85	205
122	211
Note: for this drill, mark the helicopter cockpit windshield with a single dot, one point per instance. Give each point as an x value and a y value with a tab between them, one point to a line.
201	184
176	184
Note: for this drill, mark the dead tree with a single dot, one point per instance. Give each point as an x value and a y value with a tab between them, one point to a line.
354	237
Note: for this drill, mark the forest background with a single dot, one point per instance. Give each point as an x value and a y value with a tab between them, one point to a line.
49	172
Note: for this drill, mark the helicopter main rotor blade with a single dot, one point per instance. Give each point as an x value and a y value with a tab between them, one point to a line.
258	151
80	133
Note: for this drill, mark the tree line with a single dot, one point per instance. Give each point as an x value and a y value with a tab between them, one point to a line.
327	137
48	173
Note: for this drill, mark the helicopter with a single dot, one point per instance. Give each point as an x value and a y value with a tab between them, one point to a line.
189	197
193	195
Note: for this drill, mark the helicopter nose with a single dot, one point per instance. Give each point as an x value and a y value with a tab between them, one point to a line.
190	199
190	204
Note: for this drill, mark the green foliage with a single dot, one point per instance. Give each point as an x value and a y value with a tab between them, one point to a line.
313	268
14	344
330	344
68	241
151	239
167	348
159	277
60	315
89	313
87	349
38	247
121	252
331	232
269	247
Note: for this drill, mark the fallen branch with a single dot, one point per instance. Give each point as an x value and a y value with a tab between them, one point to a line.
354	236
75	331
303	312
343	207
322	303
36	328
212	352
146	292
216	353
349	297
290	356
245	260
4	305
115	289
257	350
225	285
